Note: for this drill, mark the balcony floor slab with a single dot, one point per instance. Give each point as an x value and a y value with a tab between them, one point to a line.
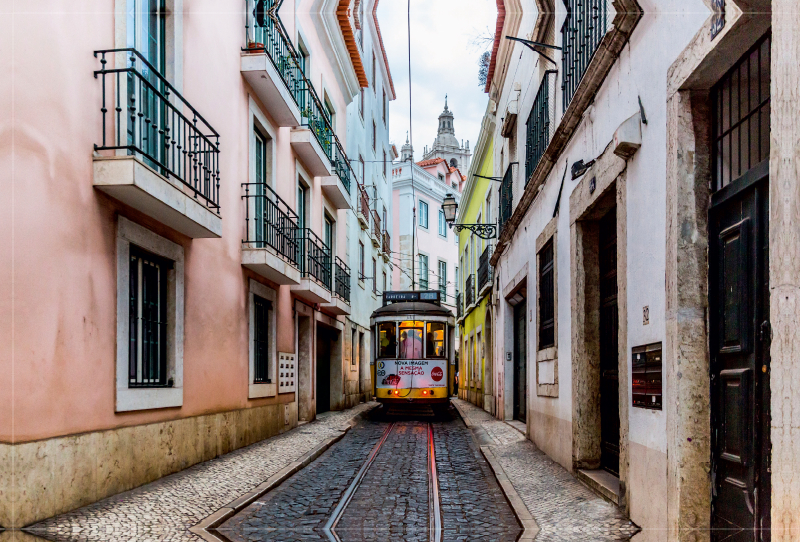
260	73
311	291
337	306
270	266
305	145
334	190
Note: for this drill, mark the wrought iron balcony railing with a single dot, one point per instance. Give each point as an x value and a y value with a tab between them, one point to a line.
387	245
148	117
459	305
272	38
315	258
506	197
484	269
376	224
342	280
541	121
469	290
584	27
269	221
363	201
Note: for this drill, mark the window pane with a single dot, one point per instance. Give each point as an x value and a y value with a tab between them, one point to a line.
261	309
435	340
410	340
387	340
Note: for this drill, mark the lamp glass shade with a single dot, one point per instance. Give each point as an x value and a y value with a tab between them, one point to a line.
450	207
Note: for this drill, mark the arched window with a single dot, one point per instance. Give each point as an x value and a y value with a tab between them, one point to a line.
453	162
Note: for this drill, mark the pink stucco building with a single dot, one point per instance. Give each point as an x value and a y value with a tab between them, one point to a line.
172	284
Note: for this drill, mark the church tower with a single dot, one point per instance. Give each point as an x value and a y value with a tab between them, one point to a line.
446	145
407	152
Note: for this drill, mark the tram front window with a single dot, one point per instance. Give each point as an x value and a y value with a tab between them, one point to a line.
410	340
435	345
388	340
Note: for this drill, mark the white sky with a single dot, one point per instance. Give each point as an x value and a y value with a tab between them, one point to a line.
443	61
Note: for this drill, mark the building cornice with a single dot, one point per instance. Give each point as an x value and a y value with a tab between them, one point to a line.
343	16
505	48
383	49
339	47
628	14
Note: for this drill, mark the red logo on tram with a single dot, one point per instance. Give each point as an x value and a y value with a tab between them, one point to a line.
437	374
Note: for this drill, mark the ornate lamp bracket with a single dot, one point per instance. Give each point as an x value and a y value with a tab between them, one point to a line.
484	231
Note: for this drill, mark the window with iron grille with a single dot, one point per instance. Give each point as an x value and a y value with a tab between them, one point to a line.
261	310
741	112
546	297
506	196
537	128
147	351
423	271
584	27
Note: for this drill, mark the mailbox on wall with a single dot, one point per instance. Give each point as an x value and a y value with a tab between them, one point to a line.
646	376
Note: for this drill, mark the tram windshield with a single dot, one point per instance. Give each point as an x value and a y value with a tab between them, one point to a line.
435	342
387	342
411	340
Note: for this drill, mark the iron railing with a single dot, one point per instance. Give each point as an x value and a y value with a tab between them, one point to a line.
484	269
583	29
469	290
540	123
506	196
150	119
273	39
459	305
341	287
363	201
376	224
387	245
274	223
315	258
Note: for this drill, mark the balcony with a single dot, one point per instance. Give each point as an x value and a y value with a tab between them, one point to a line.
315	268
459	306
340	302
376	235
271	247
484	271
312	154
469	292
506	197
583	30
387	246
337	187
160	157
270	65
363	207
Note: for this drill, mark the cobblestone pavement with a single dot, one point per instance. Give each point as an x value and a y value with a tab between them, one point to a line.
165	509
392	502
564	509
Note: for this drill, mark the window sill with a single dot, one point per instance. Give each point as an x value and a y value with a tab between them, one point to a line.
257	391
361	283
546	354
130	399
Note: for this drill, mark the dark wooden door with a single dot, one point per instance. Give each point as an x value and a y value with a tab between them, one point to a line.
520	362
609	349
323	371
740	416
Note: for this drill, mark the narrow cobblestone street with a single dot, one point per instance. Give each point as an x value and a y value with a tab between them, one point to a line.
373	484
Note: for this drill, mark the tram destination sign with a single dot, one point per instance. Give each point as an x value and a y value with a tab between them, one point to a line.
430	296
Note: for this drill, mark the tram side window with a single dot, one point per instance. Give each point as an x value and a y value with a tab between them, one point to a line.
435	336
411	340
388	340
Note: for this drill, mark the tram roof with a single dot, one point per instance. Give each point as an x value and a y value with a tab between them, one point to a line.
412	307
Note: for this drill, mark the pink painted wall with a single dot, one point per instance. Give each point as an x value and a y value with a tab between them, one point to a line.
63	231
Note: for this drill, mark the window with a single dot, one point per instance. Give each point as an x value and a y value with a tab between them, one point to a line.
384	107
305	57
443	279
442	224
441	178
583	29
488	212
384	163
435	340
361	102
147	351
302	201
384	281
361	167
353	348
261	308
374	276
360	260
150	316
410	340
423	271
374	76
423	214
387	340
328	233
546	297
374	136
385	223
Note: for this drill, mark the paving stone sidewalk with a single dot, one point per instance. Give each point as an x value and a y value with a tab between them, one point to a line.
165	509
564	508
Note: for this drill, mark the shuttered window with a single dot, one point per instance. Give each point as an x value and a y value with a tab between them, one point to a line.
546	297
147	352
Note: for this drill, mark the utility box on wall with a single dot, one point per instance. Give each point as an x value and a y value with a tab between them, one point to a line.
646	376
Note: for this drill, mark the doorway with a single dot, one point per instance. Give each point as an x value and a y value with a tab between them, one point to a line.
609	344
739	336
325	340
520	365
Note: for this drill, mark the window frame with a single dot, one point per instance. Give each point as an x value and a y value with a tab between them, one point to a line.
258	390
420	257
442	225
443	279
132	399
548	354
421	214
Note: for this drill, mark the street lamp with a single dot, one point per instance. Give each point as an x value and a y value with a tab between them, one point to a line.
450	207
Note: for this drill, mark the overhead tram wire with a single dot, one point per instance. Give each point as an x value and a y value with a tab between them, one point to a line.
411	166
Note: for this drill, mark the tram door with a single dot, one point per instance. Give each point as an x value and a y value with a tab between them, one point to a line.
520	357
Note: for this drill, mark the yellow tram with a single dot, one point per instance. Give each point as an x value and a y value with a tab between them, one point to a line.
413	356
